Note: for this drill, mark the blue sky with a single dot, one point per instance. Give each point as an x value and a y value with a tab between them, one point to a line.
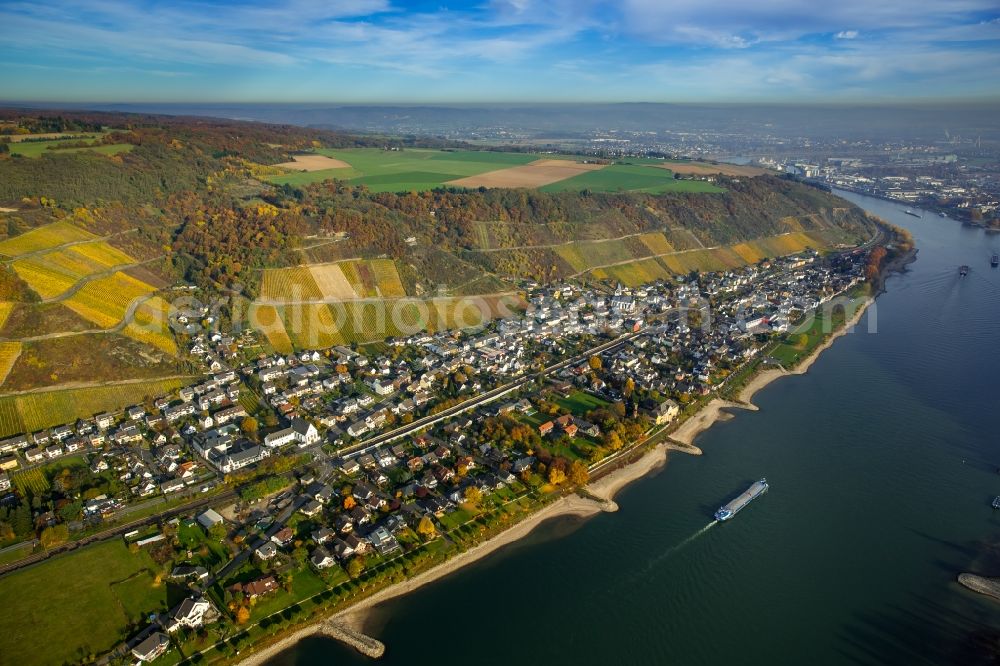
503	50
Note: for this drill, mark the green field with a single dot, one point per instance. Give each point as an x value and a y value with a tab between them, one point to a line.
76	605
816	329
404	170
630	178
422	169
38	148
579	403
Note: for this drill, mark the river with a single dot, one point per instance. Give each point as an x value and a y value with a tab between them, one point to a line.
882	461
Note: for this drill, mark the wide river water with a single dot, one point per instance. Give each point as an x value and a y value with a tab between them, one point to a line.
882	461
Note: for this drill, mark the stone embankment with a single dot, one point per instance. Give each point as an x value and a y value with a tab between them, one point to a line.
366	645
988	586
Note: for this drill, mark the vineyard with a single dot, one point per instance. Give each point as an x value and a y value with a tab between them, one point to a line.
267	320
43	238
317	325
635	273
339	281
31	482
106	300
331	282
151	324
312	326
657	243
387	278
582	256
43	409
47	280
289	284
9	351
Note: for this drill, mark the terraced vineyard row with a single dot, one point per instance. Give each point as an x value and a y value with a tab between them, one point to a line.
344	280
30	482
151	324
387	278
294	283
43	238
47	280
636	272
106	300
9	351
267	320
317	325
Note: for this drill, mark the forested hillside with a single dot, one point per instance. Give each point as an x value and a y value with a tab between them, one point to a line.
106	213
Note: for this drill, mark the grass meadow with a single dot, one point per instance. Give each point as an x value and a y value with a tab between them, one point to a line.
76	605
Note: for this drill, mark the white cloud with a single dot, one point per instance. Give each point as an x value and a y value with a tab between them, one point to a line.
712	49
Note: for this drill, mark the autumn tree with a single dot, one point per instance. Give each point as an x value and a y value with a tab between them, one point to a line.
472	495
249	426
350	502
243	615
426	527
874	263
53	536
557	470
595	363
355	566
578	474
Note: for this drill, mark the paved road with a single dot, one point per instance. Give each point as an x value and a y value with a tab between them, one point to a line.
371	443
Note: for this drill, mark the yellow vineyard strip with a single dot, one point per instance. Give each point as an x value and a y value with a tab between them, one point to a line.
636	273
9	351
387	278
5	309
294	283
657	243
100	253
151	324
105	301
46	280
42	238
267	320
53	273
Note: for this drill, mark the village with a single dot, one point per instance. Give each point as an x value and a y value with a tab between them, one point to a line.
323	466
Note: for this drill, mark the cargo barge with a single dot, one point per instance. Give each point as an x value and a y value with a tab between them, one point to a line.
750	494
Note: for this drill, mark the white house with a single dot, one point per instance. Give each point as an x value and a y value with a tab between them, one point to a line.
190	613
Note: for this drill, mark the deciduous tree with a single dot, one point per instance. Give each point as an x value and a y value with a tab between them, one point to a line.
426	527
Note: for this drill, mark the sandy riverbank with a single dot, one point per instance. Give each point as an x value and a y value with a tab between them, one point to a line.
768	376
704	419
717	409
